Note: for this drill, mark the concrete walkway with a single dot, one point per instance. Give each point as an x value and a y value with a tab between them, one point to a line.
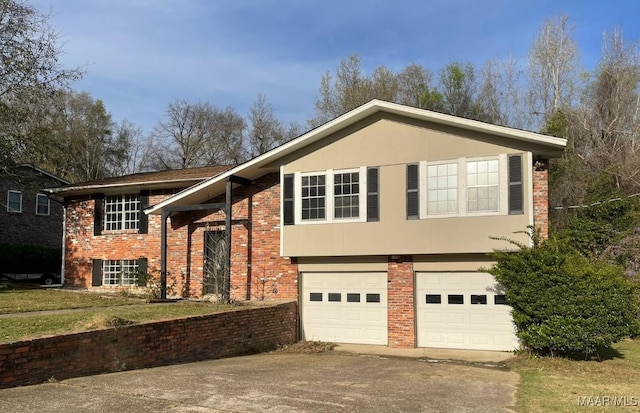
468	356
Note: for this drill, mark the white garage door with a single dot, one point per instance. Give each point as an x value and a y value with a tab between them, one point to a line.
462	310
344	307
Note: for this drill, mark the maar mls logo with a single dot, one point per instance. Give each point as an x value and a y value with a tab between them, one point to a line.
613	401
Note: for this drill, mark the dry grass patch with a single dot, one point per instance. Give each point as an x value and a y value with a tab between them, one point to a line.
307	347
556	384
101	322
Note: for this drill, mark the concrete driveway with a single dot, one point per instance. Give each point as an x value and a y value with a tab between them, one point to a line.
279	382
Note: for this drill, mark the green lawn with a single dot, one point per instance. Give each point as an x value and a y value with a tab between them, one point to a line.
555	384
91	311
20	300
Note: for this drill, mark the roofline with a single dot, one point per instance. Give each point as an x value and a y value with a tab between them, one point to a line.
361	113
118	185
42	171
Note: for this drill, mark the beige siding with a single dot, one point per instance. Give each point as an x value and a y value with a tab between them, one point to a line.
390	144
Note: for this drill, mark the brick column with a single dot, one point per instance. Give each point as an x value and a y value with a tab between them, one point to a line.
541	199
401	316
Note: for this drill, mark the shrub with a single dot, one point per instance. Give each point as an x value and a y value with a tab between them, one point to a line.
563	302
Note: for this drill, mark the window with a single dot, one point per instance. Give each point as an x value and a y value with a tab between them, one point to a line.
14	201
313	197
455	299
119	272
373	298
346	190
335	297
353	298
122	212
345	195
442	187
483	186
43	204
499	299
462	187
315	296
478	299
433	299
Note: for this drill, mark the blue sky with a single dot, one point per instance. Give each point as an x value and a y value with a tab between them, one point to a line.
141	55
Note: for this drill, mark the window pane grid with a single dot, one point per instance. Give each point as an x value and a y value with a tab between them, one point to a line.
14	201
483	178
42	204
442	183
313	197
121	212
346	190
119	272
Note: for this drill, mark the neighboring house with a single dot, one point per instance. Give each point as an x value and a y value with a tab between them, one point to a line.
27	215
376	222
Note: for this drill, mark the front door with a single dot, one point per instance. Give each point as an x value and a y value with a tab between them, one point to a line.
215	264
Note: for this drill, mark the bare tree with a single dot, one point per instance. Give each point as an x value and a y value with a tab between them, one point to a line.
186	138
414	83
266	131
553	67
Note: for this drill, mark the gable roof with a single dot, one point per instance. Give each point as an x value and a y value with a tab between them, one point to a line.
41	171
548	146
145	180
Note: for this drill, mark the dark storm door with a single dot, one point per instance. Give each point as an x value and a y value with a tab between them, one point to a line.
215	264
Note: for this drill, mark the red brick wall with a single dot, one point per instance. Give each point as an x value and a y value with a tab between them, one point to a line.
541	199
257	270
148	345
400	303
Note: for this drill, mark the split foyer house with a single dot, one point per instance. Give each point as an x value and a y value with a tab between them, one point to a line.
376	222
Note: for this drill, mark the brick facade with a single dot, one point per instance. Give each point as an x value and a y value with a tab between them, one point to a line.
400	311
148	345
26	227
541	199
257	270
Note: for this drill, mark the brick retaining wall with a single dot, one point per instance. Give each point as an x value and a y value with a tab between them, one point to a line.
152	344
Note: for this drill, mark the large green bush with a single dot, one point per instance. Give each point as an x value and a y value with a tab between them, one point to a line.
563	302
26	259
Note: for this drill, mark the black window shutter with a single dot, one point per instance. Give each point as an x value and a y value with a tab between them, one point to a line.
516	201
288	200
143	224
373	196
98	211
413	204
142	269
96	274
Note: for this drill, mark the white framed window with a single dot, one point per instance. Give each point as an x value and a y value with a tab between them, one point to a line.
464	187
346	194
14	201
121	212
119	272
43	204
314	197
483	185
442	188
330	196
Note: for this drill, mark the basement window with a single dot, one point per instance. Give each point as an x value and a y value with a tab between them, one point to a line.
119	272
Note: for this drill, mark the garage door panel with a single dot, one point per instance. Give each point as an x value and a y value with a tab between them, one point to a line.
352	319
482	325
